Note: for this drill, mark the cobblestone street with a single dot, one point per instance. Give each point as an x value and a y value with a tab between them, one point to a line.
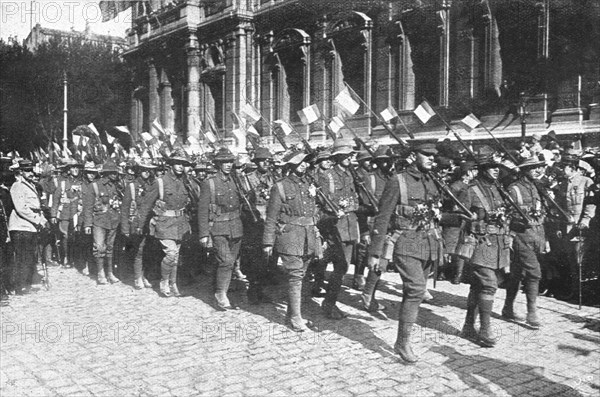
83	339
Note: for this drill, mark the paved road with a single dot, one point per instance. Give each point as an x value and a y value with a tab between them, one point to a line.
84	339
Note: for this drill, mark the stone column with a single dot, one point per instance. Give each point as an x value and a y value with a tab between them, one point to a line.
167	116
153	97
193	87
368	79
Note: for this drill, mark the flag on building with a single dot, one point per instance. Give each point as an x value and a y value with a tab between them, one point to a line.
470	122
252	131
388	114
250	113
147	137
309	114
424	112
283	126
346	103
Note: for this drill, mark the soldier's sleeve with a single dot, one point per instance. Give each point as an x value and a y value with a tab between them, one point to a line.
125	206
88	205
203	209
145	209
273	208
387	205
589	204
55	201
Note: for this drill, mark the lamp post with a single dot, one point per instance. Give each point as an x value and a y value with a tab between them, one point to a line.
65	111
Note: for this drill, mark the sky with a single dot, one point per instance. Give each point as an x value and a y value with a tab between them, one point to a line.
18	16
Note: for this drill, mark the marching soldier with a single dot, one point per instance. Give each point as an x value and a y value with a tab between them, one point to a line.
489	243
365	172
340	230
377	181
291	229
101	217
453	225
219	218
132	225
66	208
91	172
528	245
168	199
414	199
576	195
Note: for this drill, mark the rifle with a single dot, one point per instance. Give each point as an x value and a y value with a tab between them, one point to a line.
242	194
361	184
542	192
444	188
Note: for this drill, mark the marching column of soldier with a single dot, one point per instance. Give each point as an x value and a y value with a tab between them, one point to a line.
483	220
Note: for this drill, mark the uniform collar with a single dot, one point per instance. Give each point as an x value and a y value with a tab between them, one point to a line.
413	171
221	175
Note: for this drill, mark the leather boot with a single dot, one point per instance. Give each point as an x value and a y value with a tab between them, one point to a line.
165	291
109	272
531	292
294	313
460	264
368	294
486	336
173	283
408	317
508	312
101	276
468	330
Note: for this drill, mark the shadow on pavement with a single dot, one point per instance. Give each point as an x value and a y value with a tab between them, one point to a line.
473	367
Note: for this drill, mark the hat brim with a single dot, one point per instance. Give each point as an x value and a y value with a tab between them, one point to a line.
296	159
342	151
532	165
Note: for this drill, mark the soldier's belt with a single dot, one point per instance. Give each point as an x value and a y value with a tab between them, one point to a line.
299	220
227	216
173	213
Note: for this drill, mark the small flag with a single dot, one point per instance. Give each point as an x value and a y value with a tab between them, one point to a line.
173	138
238	134
110	139
250	113
345	102
123	128
284	126
470	122
309	114
157	130
252	130
56	146
76	140
210	136
424	112
93	128
147	136
336	124
388	114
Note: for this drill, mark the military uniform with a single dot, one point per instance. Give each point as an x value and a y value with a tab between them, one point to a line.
490	241
291	229
219	217
408	209
168	199
528	246
132	225
341	234
66	209
102	213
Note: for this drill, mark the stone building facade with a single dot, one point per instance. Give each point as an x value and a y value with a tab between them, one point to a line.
197	62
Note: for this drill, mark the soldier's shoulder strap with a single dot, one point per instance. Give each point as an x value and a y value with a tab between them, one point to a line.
96	190
479	193
329	176
212	189
373	182
403	188
281	190
161	188
132	190
515	188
